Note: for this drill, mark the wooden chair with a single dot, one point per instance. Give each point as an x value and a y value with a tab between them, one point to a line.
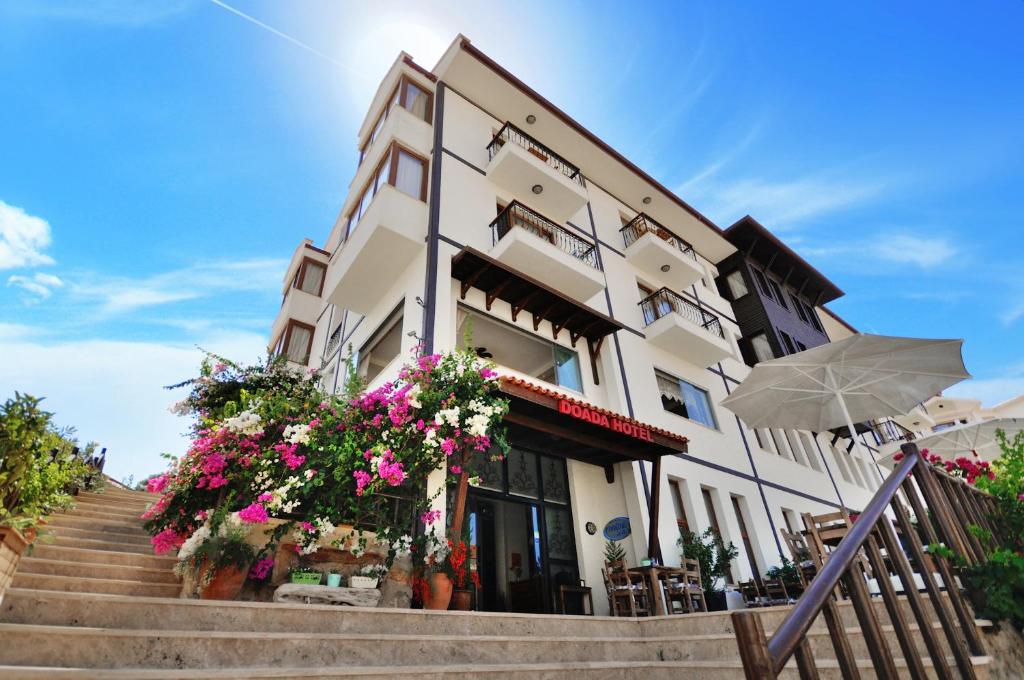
801	555
751	594
578	590
627	592
690	576
823	533
775	592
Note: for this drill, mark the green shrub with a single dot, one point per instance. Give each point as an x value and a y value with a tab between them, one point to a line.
714	555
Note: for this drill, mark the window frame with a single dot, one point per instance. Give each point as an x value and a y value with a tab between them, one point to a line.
713	425
300	275
390	156
743	281
395	317
401	92
283	340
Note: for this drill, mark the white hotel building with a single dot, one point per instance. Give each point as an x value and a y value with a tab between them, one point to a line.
584	278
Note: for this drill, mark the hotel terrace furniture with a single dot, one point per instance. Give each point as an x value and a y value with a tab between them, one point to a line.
683	585
581	592
628	591
800	554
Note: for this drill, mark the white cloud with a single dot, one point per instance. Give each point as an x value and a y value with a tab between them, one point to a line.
117	295
991	391
923	251
777	204
15	331
113	392
39	286
23	238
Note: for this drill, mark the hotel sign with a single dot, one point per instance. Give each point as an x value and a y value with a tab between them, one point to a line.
613	423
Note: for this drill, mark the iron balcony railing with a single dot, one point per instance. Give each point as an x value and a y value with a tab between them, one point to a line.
333	342
664	301
518	215
888	431
643	224
510	133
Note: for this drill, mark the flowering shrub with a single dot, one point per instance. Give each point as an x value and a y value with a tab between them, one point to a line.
268	444
962	466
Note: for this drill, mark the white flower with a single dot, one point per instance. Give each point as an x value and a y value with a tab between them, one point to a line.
413	396
449	415
246	422
297	434
193	542
478	424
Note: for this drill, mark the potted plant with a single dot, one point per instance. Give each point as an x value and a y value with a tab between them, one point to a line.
219	557
613	553
789	573
305	576
715	556
458	571
334	578
368	577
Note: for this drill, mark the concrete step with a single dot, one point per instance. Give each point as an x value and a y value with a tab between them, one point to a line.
119	572
112	555
97	610
111	527
59	534
83	584
103	513
131	502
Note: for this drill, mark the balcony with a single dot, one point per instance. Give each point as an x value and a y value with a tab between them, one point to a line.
660	254
298	305
683	328
536	246
382	245
524	166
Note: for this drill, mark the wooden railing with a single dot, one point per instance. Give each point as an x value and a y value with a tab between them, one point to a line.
943	507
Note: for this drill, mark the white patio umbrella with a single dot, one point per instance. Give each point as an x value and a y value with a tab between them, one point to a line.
964	440
855	379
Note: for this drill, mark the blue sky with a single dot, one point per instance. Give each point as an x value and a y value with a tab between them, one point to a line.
159	161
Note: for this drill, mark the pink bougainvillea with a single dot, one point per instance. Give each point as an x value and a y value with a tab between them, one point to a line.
166	541
261	569
253	514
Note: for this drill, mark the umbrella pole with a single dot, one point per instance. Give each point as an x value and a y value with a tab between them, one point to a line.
853	433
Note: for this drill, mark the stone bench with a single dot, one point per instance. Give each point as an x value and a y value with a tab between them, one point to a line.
308	594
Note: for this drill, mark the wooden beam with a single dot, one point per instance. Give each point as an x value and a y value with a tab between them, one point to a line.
595	350
518	305
573	434
470	280
491	295
557	328
576	335
543	314
653	542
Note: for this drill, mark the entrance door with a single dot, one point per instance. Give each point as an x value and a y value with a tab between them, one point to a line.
521	533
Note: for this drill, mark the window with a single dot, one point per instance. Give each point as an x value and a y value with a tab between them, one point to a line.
310	277
761	348
787	343
296	342
799	307
737	286
400	168
382	347
799	345
521	351
409	96
794	446
789	517
777	293
685	399
676	487
762	282
811	447
748	544
709	505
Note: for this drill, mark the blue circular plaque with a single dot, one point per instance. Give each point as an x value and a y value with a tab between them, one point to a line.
617	529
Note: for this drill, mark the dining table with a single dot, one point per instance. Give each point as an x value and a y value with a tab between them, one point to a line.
651	574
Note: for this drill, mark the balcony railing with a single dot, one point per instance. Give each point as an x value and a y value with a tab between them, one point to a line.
518	215
664	302
643	224
510	133
332	342
888	431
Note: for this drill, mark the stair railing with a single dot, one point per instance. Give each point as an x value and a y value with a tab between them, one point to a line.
943	507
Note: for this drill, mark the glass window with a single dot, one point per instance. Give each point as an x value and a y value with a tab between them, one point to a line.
799	307
382	348
416	100
555	480
298	343
676	486
364	203
561	542
787	343
761	348
777	293
311	277
409	178
492	472
382	174
521	351
737	286
522	474
762	282
685	399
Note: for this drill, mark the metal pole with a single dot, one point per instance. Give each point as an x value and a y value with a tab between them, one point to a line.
853	433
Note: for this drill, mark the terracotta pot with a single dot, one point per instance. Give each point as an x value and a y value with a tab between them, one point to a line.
12	545
461	600
440	592
226	583
30	534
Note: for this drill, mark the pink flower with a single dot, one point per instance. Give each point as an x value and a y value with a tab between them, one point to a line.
261	569
157	484
448	446
254	514
213	464
215	482
362	479
430	516
1019	498
306	526
165	541
486	373
265	497
456	469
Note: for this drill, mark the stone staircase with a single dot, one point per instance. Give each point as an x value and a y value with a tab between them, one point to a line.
96	604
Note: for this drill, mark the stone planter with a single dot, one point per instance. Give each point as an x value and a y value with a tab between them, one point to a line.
362	582
12	545
440	592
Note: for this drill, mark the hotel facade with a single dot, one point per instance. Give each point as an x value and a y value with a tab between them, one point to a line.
619	317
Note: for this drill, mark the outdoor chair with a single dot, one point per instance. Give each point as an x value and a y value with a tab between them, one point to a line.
801	555
577	591
751	594
775	592
627	592
694	587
